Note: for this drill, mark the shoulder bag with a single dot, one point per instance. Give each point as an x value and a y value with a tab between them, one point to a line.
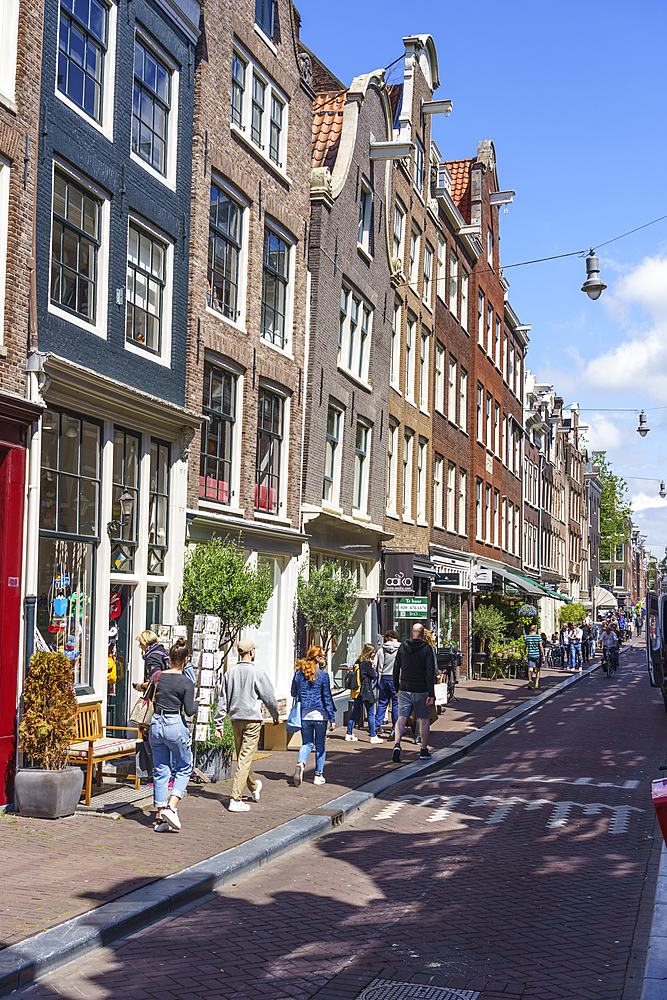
143	710
294	718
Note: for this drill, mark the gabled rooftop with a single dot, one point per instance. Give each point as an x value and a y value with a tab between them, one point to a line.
327	127
460	171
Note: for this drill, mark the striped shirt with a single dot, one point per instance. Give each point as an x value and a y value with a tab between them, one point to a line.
532	643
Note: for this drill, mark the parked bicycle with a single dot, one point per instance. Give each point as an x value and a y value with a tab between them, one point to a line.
448	660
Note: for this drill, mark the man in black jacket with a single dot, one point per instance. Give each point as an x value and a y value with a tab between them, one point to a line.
414	679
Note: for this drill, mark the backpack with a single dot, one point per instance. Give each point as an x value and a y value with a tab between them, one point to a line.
351	678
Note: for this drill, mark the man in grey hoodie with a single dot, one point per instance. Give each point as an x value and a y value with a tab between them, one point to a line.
384	666
244	686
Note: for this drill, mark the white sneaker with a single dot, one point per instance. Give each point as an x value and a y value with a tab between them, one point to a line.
319	779
160	827
298	773
255	794
170	816
236	806
376	739
350	738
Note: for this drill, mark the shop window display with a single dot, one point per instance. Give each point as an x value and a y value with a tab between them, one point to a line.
123	527
65	601
450	620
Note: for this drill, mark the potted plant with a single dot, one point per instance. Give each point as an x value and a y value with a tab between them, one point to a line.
50	789
214	755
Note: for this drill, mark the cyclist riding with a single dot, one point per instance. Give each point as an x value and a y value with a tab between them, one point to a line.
609	650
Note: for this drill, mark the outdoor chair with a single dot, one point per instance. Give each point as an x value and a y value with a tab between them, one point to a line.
93	747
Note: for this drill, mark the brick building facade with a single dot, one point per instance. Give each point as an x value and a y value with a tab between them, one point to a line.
248	312
113	198
20	405
347	388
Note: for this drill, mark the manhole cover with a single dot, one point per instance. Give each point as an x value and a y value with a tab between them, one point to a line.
389	989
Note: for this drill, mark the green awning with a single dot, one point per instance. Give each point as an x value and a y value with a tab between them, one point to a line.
540	586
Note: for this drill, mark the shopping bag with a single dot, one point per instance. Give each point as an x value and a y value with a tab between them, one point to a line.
440	694
142	713
294	718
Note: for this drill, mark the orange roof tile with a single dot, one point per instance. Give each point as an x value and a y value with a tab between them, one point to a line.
460	171
327	127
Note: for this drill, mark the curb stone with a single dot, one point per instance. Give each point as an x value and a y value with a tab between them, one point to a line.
24	962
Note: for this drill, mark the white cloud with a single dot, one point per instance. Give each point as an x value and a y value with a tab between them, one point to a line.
603	434
643	501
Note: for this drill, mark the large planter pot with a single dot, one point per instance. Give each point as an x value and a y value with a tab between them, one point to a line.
211	762
48	794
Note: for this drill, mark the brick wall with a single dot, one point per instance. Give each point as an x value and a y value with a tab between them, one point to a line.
221	154
15	123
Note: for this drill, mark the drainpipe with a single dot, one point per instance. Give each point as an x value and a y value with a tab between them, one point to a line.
35	379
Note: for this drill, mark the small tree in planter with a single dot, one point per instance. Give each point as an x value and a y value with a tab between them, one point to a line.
50	789
572	613
217	581
328	600
488	625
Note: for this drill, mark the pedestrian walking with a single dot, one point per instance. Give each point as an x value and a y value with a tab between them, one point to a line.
172	694
366	677
565	646
414	678
384	666
576	638
311	687
585	642
244	687
535	653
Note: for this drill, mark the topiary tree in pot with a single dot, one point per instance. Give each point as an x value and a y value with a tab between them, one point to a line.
49	789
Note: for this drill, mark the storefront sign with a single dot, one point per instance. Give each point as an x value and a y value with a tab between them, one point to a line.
412	607
447	579
399	572
511	588
482	575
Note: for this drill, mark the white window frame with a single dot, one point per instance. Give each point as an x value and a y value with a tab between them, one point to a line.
517	531
479	521
503	525
419	167
441	280
243	131
487	513
99	327
463	480
365	216
392	467
480	413
334	499
363	504
423	370
399	231
510	380
169	179
497	344
164	357
489	421
354	345
242	284
410	350
480	318
427	281
413	261
451	496
439	400
496	505
438	465
453	285
395	347
451	390
422	459
489	329
489	246
463	400
282	234
505	345
496	428
408	456
465	284
105	127
9	35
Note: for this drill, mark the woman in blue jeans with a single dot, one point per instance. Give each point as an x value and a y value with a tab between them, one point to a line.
172	694
311	687
365	694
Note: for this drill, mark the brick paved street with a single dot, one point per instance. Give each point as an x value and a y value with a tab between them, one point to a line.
516	873
53	871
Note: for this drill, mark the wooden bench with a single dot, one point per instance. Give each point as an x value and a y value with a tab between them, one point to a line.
93	747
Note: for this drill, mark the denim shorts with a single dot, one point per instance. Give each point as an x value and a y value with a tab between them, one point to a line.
413	701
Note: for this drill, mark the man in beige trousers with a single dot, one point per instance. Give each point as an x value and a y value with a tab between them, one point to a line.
244	686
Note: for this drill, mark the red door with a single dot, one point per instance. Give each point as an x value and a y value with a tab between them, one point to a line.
12	485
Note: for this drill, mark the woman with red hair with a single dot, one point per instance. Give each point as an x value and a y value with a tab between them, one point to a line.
311	687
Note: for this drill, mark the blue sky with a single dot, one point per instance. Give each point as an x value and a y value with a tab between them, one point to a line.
573	97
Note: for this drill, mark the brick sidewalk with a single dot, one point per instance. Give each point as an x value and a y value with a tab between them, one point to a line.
517	873
55	870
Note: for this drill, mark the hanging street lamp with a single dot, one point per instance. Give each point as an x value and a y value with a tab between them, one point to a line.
593	286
